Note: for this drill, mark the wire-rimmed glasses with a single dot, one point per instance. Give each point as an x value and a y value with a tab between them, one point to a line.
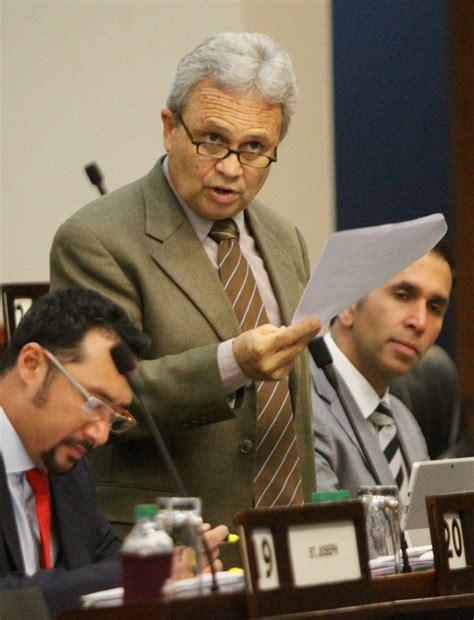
120	419
218	151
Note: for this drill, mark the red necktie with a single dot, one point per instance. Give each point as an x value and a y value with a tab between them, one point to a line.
39	482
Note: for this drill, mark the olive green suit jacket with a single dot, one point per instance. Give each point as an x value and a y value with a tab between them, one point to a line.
137	246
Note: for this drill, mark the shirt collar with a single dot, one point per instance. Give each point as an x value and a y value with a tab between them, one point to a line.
15	456
363	393
201	225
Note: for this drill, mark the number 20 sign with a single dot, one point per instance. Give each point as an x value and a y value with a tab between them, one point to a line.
454	540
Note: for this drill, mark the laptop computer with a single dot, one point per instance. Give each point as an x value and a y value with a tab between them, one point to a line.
432	478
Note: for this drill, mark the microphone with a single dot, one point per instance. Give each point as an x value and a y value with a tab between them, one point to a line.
323	359
125	364
95	177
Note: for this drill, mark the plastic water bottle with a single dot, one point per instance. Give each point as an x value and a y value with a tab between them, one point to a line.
146	557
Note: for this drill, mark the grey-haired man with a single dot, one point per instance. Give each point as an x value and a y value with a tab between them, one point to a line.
238	429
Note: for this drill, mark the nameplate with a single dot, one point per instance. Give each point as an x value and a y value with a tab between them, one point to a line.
450	517
292	554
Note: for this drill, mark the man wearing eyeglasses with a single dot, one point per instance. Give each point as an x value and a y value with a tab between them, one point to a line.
60	396
213	277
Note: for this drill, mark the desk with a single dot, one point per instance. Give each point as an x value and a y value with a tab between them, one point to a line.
418	592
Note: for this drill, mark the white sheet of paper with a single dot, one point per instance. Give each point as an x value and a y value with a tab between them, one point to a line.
354	262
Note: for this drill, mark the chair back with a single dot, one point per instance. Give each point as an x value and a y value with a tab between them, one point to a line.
432	392
16	299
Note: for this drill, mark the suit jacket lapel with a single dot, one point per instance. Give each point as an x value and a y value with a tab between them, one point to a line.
407	445
72	547
363	426
8	528
181	255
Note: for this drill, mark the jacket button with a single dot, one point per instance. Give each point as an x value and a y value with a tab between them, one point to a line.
246	446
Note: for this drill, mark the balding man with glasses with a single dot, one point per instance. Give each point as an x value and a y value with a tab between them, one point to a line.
213	278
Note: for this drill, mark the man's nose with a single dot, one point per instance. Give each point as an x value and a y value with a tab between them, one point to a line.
418	316
97	431
230	166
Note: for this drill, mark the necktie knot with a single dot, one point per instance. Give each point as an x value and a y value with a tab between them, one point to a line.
38	481
382	416
223	230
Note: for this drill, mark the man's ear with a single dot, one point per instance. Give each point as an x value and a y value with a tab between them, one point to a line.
346	317
169	125
32	365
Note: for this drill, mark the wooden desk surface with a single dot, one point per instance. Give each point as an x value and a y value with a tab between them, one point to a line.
406	597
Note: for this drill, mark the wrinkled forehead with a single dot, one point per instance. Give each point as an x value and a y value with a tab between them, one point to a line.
207	99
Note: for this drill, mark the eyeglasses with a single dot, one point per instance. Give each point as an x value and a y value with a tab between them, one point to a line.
120	419
217	151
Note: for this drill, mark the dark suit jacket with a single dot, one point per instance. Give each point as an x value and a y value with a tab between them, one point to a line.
340	463
137	246
88	548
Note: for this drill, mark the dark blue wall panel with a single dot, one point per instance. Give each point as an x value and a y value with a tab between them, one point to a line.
391	94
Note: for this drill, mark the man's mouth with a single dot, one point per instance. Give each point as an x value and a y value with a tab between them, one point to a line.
79	449
223	190
406	346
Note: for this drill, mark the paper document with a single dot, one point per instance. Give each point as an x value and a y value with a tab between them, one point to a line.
354	262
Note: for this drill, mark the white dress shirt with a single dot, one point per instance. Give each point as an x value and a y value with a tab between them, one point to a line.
231	374
17	461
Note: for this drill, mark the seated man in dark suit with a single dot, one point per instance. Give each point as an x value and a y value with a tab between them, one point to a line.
380	337
60	396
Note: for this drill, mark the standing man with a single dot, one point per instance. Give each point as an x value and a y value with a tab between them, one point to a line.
212	276
60	396
380	337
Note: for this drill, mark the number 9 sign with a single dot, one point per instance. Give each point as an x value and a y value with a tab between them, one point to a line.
262	540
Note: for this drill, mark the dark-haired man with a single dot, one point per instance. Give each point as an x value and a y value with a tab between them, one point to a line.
60	396
373	341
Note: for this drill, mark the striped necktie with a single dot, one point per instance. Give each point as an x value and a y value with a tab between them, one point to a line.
390	444
39	482
277	472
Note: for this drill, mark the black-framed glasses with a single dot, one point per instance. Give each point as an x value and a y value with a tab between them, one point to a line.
120	419
218	151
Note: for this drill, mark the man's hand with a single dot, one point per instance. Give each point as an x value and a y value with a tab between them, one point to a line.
184	556
267	353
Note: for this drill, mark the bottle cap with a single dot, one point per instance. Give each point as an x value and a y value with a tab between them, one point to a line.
330	496
145	510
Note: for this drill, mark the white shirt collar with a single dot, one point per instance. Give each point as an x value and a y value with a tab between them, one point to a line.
201	225
15	457
365	396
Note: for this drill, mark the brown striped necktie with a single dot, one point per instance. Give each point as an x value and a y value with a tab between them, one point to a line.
277	471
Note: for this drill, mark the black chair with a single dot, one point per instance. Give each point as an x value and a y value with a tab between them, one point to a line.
432	392
16	299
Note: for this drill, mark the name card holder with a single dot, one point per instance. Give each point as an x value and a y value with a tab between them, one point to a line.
451	519
305	558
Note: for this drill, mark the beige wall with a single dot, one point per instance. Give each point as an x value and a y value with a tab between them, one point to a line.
85	81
